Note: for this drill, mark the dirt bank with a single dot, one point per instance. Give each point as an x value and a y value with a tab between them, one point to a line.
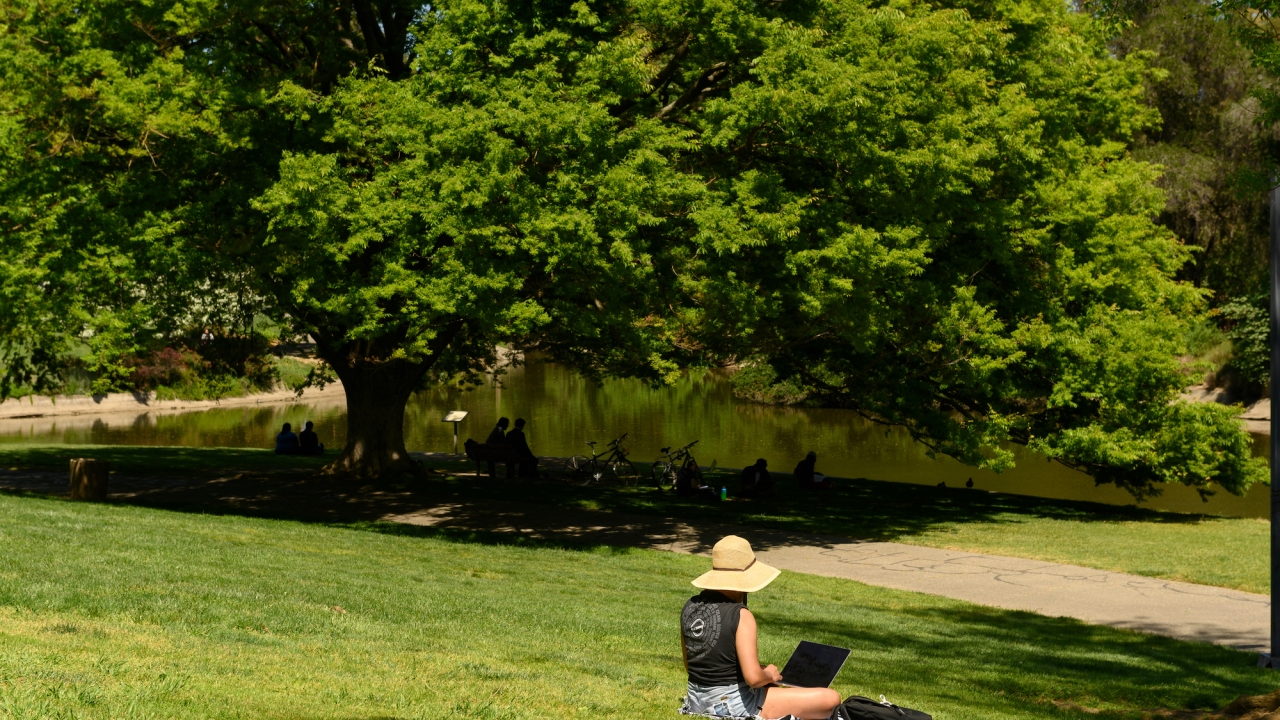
34	406
1256	417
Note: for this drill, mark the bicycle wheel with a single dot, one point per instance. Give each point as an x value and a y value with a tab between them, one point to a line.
577	469
663	474
625	472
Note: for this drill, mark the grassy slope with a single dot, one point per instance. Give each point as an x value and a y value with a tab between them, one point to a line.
115	611
1228	552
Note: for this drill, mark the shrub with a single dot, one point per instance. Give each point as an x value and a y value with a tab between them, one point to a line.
1247	324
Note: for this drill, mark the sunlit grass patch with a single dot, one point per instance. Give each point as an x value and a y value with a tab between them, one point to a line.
113	611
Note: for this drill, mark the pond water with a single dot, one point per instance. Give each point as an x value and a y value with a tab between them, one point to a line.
564	410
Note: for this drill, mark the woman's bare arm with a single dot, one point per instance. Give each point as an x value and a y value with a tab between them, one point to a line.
749	654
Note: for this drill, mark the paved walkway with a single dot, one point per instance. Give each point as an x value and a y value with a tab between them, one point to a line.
1175	609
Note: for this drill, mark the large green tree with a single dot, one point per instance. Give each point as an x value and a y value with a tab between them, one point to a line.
407	200
932	217
922	212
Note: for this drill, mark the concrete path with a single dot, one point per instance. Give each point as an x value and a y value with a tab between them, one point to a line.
1175	609
1162	607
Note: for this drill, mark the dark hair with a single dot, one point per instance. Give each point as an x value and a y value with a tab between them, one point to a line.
309	424
761	461
504	422
519	422
811	454
287	428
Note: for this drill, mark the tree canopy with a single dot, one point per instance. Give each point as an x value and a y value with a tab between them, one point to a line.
923	212
1210	143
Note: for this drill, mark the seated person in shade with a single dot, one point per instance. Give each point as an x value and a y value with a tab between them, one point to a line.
519	443
756	481
286	441
498	437
308	442
807	477
689	484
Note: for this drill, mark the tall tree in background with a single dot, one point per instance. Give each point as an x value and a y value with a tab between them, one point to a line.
924	213
1212	140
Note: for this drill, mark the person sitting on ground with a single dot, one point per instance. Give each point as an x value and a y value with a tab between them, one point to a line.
756	481
498	437
719	644
808	477
308	442
689	484
286	441
518	442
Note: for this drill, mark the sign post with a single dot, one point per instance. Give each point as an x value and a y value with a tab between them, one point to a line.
455	417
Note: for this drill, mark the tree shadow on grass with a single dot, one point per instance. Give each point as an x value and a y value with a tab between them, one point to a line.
208	481
1015	658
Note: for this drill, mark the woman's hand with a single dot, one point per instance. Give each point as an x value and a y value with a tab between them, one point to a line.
771	672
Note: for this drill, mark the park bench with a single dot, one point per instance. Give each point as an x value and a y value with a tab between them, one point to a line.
486	453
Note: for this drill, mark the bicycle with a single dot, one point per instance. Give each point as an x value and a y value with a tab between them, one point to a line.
665	470
613	462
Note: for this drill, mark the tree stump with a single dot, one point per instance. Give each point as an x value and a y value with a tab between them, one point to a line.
89	479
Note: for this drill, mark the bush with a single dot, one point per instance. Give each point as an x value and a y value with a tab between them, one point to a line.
164	367
758	382
1247	324
292	373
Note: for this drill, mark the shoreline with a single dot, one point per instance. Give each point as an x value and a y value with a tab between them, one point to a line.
1256	417
40	406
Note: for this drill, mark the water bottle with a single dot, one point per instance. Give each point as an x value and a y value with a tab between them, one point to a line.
724	493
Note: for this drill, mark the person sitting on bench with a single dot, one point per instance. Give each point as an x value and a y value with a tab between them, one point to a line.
498	437
756	481
286	441
718	642
308	442
518	442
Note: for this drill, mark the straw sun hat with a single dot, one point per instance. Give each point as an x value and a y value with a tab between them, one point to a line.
734	567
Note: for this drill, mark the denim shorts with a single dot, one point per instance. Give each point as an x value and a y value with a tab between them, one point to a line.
739	701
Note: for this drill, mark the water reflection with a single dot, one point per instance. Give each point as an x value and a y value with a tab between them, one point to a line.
564	410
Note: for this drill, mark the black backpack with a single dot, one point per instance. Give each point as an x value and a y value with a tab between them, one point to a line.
857	707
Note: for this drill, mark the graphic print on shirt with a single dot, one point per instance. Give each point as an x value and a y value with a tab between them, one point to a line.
701	624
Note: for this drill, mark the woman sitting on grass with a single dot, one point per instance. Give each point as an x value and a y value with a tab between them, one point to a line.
718	639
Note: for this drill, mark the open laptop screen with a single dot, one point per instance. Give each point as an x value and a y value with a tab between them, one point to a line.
814	665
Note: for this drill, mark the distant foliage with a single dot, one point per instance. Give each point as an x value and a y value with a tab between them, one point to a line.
164	367
1210	142
1248	326
758	382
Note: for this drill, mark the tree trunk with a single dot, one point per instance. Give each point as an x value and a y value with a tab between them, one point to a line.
376	397
89	479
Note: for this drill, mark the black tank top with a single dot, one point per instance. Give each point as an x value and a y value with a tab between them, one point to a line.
709	625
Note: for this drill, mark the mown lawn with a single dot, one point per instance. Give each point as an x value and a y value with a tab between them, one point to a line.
1227	552
117	611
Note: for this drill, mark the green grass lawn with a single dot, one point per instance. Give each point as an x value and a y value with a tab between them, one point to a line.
118	611
1227	552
